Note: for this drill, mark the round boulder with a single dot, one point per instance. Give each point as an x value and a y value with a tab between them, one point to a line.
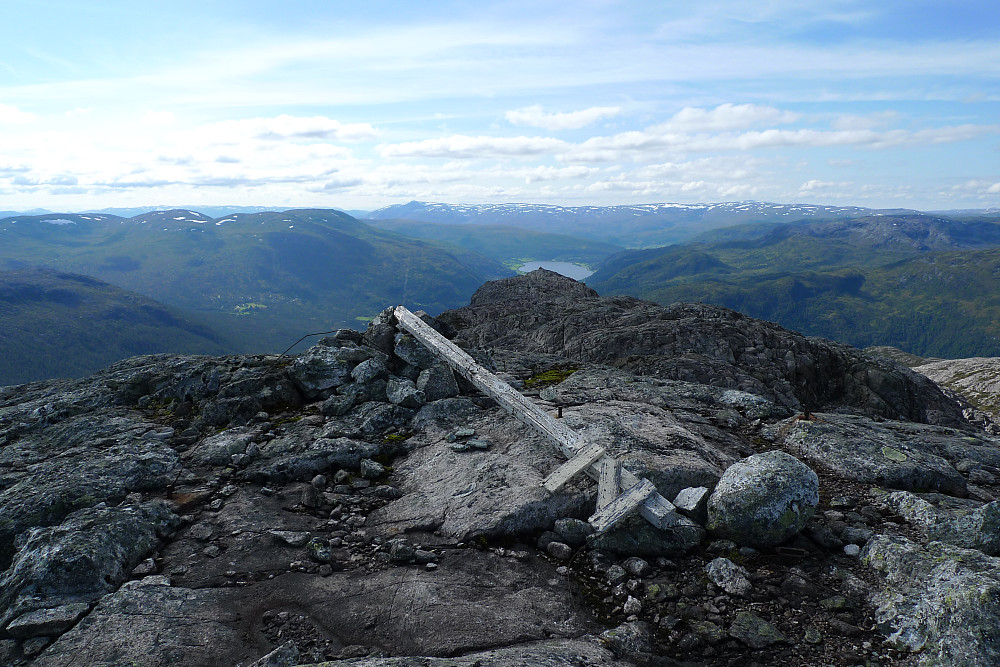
763	500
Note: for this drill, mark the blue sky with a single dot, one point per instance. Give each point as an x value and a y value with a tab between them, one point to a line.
360	105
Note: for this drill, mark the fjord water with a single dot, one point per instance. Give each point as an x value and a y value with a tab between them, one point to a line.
574	271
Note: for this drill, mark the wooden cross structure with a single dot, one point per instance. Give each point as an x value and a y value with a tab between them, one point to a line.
619	492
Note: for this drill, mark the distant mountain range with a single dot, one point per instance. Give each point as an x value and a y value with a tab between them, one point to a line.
263	278
632	226
257	281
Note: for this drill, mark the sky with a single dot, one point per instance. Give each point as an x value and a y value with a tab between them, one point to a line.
354	105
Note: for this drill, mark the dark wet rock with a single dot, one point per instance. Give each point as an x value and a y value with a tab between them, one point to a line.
938	600
87	555
963	523
631	641
754	631
763	500
437	382
634	536
899	455
545	312
573	532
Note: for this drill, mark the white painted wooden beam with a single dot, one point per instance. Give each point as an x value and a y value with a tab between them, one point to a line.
622	506
583	460
609	483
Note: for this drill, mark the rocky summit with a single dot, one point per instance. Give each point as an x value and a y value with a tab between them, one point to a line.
362	505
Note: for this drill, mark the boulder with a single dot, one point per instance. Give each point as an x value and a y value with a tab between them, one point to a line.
437	382
89	554
938	601
411	351
763	500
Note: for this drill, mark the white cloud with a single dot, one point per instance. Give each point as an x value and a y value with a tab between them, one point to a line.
463	146
288	128
727	117
534	116
11	115
159	118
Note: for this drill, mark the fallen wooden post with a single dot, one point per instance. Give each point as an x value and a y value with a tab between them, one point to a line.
652	506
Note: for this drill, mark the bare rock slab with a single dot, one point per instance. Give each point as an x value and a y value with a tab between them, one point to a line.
939	601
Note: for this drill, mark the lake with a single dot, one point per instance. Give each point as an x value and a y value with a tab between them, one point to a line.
574	271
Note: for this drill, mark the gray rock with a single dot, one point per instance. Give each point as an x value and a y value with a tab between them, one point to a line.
545	312
692	502
374	390
218	449
401	551
381	332
437	382
405	393
371	469
321	367
637	567
938	600
414	353
148	622
369	370
763	500
494	493
754	631
50	622
962	523
631	641
892	454
337	405
573	532
634	536
729	576
89	554
559	550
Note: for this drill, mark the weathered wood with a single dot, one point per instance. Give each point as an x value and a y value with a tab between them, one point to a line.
508	398
622	506
583	460
609	482
654	508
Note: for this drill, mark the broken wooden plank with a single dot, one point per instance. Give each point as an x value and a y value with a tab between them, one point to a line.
583	460
609	482
622	506
655	508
